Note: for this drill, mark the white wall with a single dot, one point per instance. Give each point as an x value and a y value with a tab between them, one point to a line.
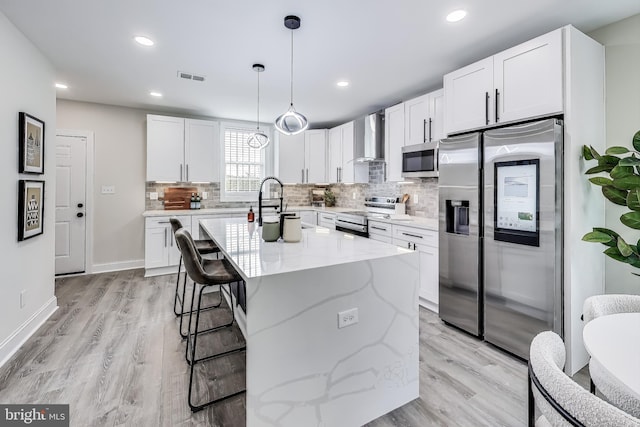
27	85
622	51
120	160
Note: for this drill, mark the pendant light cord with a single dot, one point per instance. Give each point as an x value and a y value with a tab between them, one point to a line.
291	67
258	121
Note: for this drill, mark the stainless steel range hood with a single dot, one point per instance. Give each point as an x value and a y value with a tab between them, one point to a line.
369	138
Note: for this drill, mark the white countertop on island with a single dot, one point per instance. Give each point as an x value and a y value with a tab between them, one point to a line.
320	247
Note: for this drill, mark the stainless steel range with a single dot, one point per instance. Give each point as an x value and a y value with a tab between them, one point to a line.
357	222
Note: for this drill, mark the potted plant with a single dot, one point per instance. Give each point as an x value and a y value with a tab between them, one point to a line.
622	187
329	198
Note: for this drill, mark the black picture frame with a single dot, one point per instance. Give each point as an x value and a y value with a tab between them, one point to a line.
30	209
31	144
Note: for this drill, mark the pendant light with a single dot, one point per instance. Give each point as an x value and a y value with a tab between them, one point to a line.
291	122
258	139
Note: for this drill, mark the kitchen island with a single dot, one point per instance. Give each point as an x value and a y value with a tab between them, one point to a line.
302	368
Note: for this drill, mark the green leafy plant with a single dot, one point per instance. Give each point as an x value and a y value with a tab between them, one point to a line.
329	198
621	187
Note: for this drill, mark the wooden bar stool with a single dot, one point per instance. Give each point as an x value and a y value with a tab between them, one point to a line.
204	247
205	273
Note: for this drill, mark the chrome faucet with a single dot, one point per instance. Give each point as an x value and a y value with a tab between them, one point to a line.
260	198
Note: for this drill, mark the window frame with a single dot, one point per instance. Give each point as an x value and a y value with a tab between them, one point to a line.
267	160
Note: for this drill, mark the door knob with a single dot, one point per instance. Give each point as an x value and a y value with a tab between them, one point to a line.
79	214
80	205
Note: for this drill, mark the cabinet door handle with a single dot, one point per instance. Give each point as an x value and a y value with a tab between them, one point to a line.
408	245
187	172
424	131
165	237
307	176
412	235
430	137
486	107
337	174
180	172
302	170
378	228
497	95
163	222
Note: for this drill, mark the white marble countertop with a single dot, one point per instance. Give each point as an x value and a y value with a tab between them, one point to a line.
414	221
320	247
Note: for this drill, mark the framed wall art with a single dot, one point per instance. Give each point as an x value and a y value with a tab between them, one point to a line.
31	141
30	209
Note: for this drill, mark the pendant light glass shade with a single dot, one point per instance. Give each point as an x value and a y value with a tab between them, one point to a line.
291	122
258	139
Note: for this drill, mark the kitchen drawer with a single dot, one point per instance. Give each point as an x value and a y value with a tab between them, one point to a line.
163	221
382	229
379	238
416	235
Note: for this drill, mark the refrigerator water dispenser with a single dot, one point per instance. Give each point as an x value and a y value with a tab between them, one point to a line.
457	217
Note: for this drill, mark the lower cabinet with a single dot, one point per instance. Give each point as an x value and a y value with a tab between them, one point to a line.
161	255
327	220
309	217
425	242
380	231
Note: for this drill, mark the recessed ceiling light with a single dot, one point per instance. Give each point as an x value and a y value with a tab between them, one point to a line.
61	86
456	15
343	83
144	41
156	94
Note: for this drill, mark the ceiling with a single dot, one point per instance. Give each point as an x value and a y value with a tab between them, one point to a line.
388	50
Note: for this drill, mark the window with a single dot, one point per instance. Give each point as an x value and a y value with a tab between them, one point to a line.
243	167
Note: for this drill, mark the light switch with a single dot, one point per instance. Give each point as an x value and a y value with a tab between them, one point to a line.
205	195
153	195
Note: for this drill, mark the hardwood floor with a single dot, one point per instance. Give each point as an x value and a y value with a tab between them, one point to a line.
112	351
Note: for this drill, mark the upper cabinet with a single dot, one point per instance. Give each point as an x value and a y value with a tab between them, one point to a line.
302	157
424	118
181	150
394	129
342	167
519	83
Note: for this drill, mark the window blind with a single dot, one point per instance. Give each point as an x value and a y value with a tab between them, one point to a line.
244	166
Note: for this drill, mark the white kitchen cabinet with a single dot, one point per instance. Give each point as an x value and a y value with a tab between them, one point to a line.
309	217
165	148
342	168
200	150
518	83
161	254
467	93
394	141
292	158
302	157
424	118
326	219
425	242
181	150
528	79
380	231
315	146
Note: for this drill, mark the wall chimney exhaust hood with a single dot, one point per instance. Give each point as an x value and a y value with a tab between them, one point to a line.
369	138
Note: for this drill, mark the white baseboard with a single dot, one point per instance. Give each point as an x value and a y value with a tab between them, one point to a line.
428	305
13	343
117	266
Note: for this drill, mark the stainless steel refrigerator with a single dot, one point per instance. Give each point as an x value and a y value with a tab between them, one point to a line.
501	231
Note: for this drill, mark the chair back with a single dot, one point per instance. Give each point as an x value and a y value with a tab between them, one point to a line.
176	225
561	400
602	305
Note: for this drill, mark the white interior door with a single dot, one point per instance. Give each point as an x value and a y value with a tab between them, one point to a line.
71	166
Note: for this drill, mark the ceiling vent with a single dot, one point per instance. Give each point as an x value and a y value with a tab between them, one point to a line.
190	76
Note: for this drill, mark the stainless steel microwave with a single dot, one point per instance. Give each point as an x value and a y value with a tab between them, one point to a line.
420	160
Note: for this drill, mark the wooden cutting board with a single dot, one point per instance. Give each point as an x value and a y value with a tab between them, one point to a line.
178	197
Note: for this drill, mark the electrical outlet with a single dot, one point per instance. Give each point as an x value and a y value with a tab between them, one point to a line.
205	195
347	318
153	195
108	189
415	199
354	195
23	298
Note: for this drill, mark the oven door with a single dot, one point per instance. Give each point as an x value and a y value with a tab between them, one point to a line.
351	228
420	160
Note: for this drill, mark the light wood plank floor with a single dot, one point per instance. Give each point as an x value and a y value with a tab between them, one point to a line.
112	351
